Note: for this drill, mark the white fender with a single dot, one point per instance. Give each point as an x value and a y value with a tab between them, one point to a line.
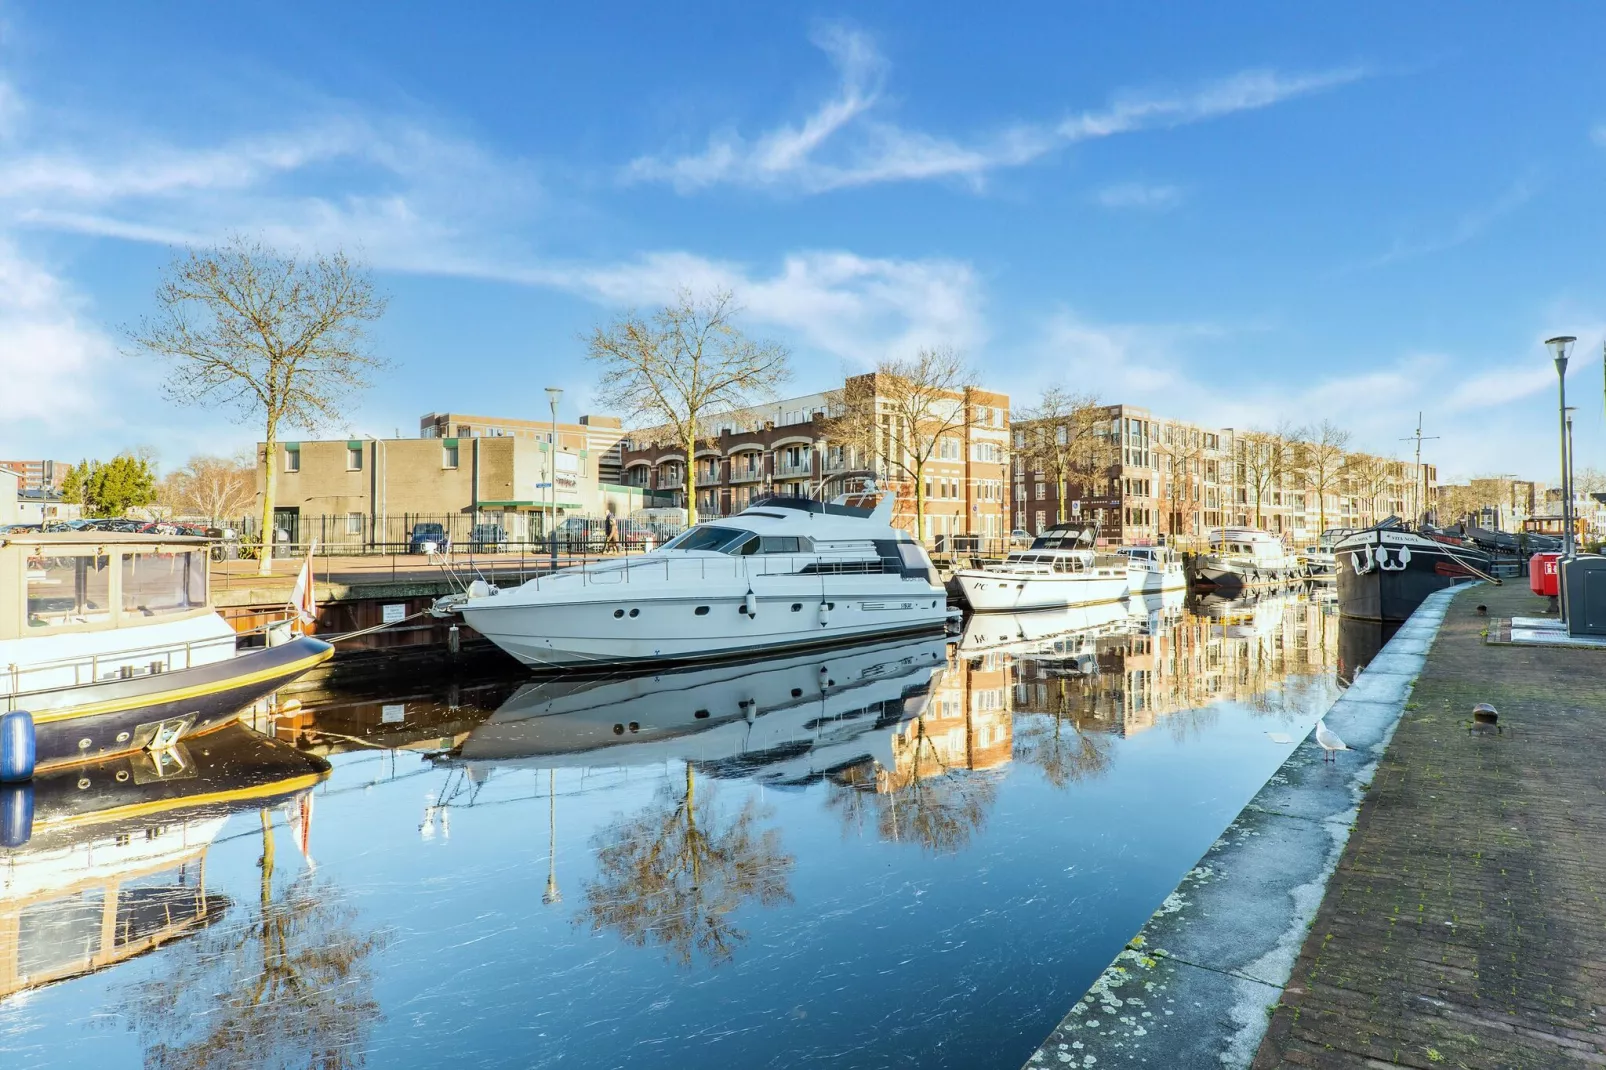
825	615
751	604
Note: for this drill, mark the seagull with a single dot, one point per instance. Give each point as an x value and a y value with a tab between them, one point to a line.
1328	741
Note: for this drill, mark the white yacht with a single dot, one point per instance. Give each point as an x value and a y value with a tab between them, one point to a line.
1245	557
1151	569
1067	635
1059	569
783	574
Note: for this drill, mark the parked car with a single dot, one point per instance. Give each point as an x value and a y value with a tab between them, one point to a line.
428	538
487	539
1020	537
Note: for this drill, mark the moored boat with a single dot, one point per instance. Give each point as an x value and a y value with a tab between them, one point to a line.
1060	568
111	644
1244	557
1384	572
786	573
1152	569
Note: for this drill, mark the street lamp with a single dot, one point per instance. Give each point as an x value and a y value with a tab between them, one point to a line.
1560	347
553	393
380	453
1572	485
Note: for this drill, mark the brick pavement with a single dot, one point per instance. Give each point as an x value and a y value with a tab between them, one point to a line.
1465	925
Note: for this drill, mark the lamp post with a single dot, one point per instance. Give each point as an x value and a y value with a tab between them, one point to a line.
380	454
553	393
1572	503
1560	347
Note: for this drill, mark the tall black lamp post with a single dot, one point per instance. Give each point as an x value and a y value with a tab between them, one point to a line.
1560	347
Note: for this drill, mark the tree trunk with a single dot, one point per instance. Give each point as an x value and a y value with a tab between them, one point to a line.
690	473
920	505
270	457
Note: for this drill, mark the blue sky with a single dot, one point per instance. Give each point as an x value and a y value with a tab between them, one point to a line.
1245	216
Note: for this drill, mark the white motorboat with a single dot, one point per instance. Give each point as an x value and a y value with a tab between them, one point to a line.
1054	634
787	720
1245	557
1151	569
1059	569
784	574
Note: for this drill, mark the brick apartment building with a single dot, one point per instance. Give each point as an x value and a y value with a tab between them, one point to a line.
786	447
1173	478
38	476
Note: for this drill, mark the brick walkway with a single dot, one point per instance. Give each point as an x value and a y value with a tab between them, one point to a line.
1466	923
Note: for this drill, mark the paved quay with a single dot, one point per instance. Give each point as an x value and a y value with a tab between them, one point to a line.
1465	925
1194	987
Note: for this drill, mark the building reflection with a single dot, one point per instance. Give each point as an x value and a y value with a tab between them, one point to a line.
113	862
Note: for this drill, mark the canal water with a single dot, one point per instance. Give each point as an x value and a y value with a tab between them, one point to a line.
914	854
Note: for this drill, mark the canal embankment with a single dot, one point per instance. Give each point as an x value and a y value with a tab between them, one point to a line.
1196	985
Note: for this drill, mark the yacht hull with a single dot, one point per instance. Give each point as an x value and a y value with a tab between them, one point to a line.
659	630
1230	575
992	592
1150	581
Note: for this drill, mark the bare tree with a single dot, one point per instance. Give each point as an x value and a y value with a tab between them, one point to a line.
675	874
1323	451
688	362
1367	477
273	336
1067	436
1264	457
214	488
901	414
1182	457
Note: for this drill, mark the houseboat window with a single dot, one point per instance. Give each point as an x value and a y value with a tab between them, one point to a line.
164	583
784	544
60	933
69	590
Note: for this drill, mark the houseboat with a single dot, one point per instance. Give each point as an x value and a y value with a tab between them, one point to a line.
1384	572
110	643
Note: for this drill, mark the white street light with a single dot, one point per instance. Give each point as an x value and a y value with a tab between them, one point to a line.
553	393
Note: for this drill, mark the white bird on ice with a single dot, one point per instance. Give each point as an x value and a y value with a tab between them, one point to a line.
1328	740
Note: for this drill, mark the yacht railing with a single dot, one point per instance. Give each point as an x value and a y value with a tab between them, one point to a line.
123	664
671	566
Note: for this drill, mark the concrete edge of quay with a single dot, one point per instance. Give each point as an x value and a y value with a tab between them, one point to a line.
1196	986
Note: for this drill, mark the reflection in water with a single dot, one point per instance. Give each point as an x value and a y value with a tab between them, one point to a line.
672	875
291	987
824	858
1358	643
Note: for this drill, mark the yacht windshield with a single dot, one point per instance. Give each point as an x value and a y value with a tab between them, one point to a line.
707	537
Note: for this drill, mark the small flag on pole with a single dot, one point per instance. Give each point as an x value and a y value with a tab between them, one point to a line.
303	603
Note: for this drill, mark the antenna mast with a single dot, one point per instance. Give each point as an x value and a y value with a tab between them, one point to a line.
1421	476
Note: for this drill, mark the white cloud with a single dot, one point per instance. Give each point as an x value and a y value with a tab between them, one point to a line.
857	308
846	141
1140	195
48	349
1470	226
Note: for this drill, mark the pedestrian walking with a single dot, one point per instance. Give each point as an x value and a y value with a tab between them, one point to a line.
610	533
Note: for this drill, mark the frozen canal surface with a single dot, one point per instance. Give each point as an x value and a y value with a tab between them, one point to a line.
918	854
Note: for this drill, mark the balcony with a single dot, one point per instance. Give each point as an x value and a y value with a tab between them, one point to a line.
754	474
669	481
795	470
708	479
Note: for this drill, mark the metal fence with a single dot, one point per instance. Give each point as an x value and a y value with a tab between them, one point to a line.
423	533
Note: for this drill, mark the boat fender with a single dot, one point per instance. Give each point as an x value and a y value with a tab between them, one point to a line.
17	747
750	603
752	711
454	640
480	589
16	814
825	615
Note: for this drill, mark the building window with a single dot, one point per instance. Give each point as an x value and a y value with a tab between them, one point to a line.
449	454
292	458
354	458
353	523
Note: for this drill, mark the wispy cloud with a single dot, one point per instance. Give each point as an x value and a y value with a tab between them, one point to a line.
1139	195
48	346
1469	227
848	140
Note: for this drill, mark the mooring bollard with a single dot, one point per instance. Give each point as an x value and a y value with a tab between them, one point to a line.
17	750
16	814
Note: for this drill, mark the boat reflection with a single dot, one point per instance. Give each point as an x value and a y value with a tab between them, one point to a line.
1358	643
113	862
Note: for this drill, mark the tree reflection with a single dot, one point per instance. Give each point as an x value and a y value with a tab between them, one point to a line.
926	798
1056	744
674	876
292	989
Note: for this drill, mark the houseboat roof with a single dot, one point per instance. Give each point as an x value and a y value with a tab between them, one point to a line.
98	538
